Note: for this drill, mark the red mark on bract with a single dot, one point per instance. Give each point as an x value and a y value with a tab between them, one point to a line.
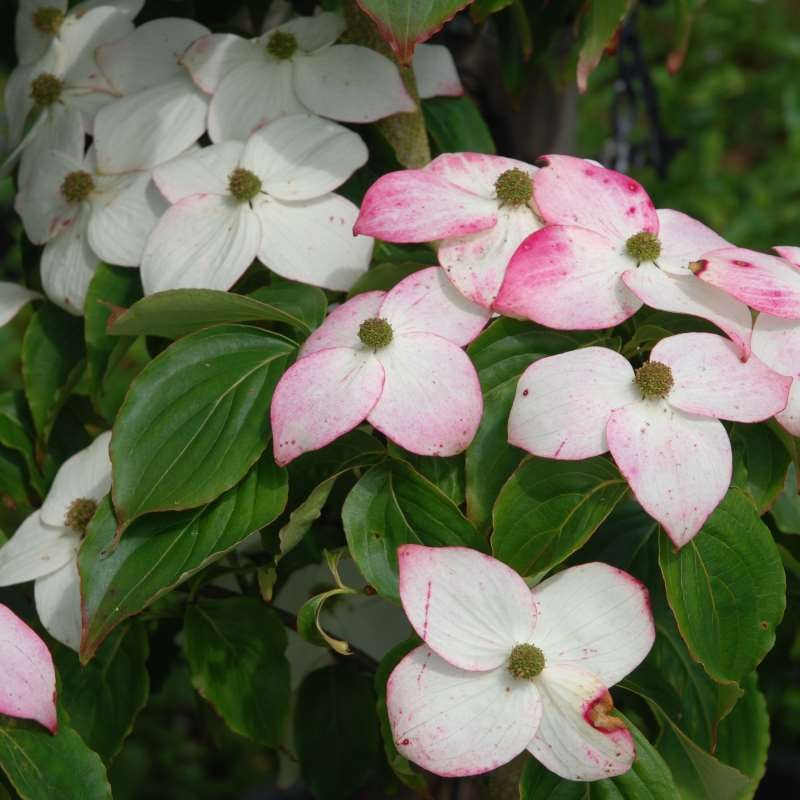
598	714
524	392
427	610
745	264
406	742
631	211
558	449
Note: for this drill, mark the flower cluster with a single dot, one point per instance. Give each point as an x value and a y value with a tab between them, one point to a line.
146	193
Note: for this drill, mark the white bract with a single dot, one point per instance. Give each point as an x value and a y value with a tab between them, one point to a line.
270	198
162	112
12	299
58	96
82	218
292	69
44	548
504	668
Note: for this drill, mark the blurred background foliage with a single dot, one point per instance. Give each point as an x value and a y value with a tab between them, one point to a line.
719	139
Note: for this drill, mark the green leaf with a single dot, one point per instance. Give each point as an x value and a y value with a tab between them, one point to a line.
309	625
52	362
195	419
236	653
604	17
383	277
406	23
104	697
41	766
160	551
445	472
302	302
765	459
110	288
176	312
786	511
744	734
648	779
548	509
481	9
727	589
336	731
16	433
455	125
391	505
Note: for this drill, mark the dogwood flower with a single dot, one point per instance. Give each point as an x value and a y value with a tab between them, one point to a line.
393	358
61	92
41	22
776	342
162	112
435	72
270	198
44	549
12	299
479	205
83	217
294	68
605	251
28	688
766	283
660	422
504	668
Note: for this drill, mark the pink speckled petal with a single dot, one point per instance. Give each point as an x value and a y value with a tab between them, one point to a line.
469	608
678	464
596	617
28	688
712	380
568	278
789	252
476	172
340	328
766	283
777	343
476	264
571	741
426	302
320	397
418	205
684	294
573	191
431	402
456	723
435	72
563	403
684	240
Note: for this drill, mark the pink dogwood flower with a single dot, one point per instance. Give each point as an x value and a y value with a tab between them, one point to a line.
504	668
661	422
393	359
605	251
766	283
28	687
477	207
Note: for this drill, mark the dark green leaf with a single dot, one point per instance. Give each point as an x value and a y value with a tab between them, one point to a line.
455	125
236	652
548	509
336	731
195	419
603	19
41	766
446	473
765	460
727	589
104	697
176	312
786	511
300	301
52	362
391	505
160	551
383	277
16	433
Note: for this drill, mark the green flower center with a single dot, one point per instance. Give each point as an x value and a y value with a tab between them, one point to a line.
80	514
77	186
526	662
514	188
46	89
654	379
375	333
48	20
243	184
643	246
282	45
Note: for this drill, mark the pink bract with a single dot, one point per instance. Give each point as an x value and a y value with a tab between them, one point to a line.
28	685
670	446
420	389
453	201
455	706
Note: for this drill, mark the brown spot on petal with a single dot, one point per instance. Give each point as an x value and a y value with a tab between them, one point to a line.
598	714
